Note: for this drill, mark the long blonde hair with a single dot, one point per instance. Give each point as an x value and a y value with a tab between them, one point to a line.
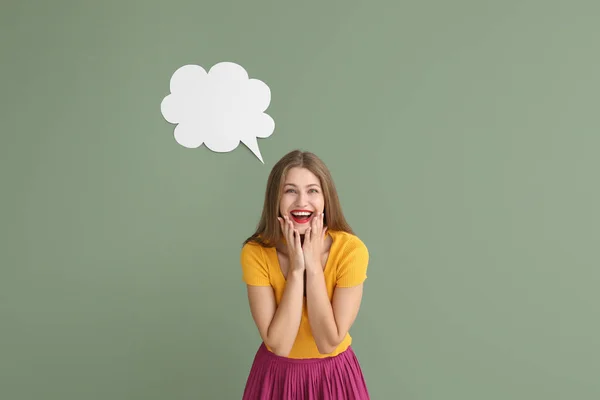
268	231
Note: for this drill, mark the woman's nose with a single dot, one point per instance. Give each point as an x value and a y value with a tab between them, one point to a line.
302	199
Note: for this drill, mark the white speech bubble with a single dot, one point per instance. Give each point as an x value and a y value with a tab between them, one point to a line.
219	109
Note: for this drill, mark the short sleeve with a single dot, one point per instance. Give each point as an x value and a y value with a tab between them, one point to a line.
255	270
354	260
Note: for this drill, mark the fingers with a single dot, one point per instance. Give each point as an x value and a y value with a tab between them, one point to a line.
298	245
288	230
317	226
316	231
293	236
321	223
314	225
291	232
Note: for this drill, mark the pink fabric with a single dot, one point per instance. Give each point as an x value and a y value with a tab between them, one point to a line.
279	378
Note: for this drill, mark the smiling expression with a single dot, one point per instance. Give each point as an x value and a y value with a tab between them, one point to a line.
301	197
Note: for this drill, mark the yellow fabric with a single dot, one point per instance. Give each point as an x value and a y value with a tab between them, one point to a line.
346	267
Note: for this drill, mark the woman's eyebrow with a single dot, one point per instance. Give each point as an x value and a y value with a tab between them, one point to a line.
309	185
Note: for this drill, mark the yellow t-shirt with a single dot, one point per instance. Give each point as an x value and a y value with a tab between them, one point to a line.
346	267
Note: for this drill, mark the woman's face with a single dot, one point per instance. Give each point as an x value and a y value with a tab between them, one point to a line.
301	198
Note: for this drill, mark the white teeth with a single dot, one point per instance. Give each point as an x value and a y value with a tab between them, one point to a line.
301	214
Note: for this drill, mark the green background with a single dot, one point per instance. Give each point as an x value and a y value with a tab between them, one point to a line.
462	135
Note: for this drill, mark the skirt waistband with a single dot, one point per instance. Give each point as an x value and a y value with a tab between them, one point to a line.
264	352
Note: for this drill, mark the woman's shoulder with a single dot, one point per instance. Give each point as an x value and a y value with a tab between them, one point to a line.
251	249
255	265
347	242
351	258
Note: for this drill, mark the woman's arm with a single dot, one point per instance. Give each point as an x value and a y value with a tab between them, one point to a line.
278	326
330	321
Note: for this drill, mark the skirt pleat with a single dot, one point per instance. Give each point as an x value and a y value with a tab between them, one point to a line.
273	377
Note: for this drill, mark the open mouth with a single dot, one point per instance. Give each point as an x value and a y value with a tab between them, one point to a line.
301	216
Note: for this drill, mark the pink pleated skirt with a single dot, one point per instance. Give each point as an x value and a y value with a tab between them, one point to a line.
273	377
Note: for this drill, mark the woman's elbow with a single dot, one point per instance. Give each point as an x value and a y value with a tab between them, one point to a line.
327	348
329	345
324	350
281	351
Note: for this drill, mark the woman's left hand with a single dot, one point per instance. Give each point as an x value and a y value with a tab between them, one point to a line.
314	243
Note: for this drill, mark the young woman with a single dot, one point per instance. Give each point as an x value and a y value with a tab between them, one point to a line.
304	269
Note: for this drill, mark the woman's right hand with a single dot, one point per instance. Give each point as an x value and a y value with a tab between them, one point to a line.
294	246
